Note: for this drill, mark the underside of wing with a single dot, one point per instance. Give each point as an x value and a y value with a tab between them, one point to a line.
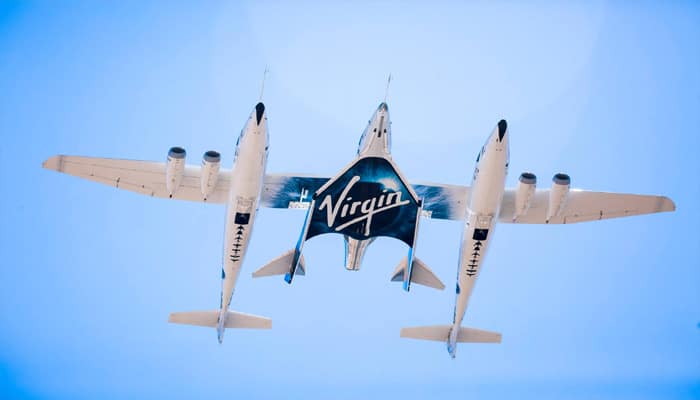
440	201
443	201
289	191
144	177
582	205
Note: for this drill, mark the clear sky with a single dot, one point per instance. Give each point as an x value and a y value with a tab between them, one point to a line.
606	92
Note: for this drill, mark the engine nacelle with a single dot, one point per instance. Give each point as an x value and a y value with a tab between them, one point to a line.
174	169
558	195
211	163
523	196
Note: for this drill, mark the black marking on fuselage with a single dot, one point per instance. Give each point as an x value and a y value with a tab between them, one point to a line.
242	218
236	247
480	234
473	263
259	111
502	127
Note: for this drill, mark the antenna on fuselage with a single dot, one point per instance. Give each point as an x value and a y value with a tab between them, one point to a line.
386	92
262	85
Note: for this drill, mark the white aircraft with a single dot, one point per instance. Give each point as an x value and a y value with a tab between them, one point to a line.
246	187
489	203
239	188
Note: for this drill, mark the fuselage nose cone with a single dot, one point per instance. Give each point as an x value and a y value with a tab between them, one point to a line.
502	127
383	107
259	111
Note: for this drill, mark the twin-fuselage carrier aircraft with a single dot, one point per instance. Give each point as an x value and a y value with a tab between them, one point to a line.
368	198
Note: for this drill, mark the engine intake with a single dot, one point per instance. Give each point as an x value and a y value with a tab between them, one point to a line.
211	163
561	179
523	196
177	152
558	194
174	169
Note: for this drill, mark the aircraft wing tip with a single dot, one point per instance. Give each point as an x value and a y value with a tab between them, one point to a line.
53	163
667	204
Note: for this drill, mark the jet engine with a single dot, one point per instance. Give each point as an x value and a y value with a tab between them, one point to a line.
211	162
174	169
523	196
558	195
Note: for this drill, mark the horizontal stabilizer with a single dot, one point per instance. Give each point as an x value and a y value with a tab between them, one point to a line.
441	333
281	265
421	275
211	318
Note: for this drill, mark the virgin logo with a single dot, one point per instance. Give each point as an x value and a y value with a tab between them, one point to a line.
363	210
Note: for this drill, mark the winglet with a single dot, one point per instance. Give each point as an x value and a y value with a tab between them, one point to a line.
421	274
281	266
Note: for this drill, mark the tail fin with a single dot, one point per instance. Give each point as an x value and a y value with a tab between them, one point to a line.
281	265
421	274
211	318
441	333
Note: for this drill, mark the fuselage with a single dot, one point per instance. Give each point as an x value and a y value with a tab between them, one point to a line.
487	188
375	141
247	177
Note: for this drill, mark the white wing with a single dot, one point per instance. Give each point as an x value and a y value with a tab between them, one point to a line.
443	201
440	201
582	205
145	177
290	191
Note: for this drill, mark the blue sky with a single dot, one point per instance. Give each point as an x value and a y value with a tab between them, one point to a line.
606	92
